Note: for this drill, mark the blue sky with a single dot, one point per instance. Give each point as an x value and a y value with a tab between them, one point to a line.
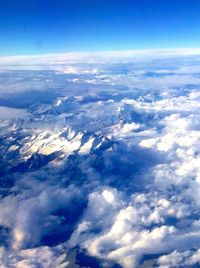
45	26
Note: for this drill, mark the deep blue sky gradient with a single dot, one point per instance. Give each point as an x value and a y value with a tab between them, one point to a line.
43	26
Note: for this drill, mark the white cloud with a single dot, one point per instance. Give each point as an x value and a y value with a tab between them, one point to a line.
36	257
179	259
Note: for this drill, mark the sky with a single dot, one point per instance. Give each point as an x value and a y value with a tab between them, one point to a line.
49	26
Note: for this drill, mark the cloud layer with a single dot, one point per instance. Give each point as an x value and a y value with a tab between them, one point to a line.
100	161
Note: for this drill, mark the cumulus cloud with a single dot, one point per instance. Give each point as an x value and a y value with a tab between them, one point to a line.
30	216
130	228
35	257
180	259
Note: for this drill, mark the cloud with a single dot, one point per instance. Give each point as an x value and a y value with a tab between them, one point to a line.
130	228
7	113
35	257
177	259
32	214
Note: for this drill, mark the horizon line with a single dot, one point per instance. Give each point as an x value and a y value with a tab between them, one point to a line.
183	50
